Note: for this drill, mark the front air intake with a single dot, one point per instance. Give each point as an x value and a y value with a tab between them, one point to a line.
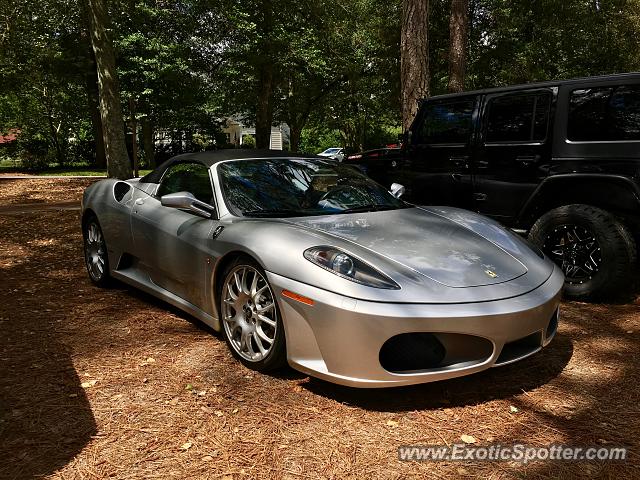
412	351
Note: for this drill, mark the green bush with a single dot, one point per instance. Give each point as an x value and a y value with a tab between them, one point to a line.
33	151
248	141
316	140
201	142
33	162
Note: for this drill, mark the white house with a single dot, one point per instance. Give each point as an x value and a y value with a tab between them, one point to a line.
236	131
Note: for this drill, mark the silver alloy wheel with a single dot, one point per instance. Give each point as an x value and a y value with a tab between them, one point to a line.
249	313
95	251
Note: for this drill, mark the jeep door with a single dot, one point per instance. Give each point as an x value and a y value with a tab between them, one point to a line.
436	168
514	150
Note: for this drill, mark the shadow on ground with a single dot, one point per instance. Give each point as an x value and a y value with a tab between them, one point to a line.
45	417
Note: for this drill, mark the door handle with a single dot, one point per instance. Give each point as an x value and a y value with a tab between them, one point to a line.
460	161
139	201
480	197
526	160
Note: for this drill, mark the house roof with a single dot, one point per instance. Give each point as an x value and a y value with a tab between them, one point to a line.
11	136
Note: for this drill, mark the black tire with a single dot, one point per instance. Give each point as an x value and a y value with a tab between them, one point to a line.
96	258
601	246
277	354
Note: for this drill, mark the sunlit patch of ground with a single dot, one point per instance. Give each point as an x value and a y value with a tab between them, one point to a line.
42	190
112	383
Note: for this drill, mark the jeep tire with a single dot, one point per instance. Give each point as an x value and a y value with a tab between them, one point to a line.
596	252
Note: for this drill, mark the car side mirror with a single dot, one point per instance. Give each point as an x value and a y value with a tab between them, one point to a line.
186	201
397	190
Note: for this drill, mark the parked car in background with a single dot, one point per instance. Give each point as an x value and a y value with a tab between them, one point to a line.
558	161
376	161
336	153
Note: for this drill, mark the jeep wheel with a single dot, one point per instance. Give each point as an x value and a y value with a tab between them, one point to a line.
595	251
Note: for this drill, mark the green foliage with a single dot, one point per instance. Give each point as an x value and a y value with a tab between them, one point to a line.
202	141
41	73
191	63
523	41
317	139
248	141
165	56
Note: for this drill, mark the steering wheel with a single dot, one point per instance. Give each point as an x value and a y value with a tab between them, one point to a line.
327	197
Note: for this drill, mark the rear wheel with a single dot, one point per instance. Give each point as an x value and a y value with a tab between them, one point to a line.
95	253
594	250
251	322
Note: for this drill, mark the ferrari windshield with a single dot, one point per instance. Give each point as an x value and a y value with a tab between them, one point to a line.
297	187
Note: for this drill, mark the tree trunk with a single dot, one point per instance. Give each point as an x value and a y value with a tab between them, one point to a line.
56	141
92	90
93	102
414	57
264	107
295	132
53	130
147	142
458	23
118	164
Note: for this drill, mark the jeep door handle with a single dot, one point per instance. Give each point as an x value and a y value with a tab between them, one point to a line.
460	161
526	160
139	201
480	197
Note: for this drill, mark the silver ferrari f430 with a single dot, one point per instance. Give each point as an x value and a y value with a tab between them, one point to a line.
303	260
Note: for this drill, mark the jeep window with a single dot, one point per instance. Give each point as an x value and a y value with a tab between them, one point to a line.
446	122
604	114
518	118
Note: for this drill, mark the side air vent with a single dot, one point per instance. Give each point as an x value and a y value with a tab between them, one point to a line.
120	189
519	349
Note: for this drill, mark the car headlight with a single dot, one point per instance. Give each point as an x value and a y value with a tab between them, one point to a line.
347	266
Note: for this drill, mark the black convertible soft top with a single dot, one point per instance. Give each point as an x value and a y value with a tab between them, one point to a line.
211	157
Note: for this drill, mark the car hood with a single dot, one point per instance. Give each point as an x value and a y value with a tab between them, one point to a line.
441	249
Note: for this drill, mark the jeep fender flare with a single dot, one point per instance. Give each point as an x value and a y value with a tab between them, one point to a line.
617	194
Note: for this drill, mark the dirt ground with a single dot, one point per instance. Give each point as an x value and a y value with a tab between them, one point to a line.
112	383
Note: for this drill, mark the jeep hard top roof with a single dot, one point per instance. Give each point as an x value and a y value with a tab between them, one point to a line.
605	79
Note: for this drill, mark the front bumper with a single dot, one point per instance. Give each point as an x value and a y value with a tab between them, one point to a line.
339	339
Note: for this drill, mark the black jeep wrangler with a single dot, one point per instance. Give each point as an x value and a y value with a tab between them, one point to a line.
559	161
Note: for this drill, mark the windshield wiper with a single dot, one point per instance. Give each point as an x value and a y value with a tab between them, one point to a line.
273	213
369	208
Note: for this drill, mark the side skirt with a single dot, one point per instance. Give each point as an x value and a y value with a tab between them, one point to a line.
138	279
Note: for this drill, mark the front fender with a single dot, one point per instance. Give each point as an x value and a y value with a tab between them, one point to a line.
615	193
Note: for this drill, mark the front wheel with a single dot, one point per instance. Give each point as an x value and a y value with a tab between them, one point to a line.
251	322
594	250
95	253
